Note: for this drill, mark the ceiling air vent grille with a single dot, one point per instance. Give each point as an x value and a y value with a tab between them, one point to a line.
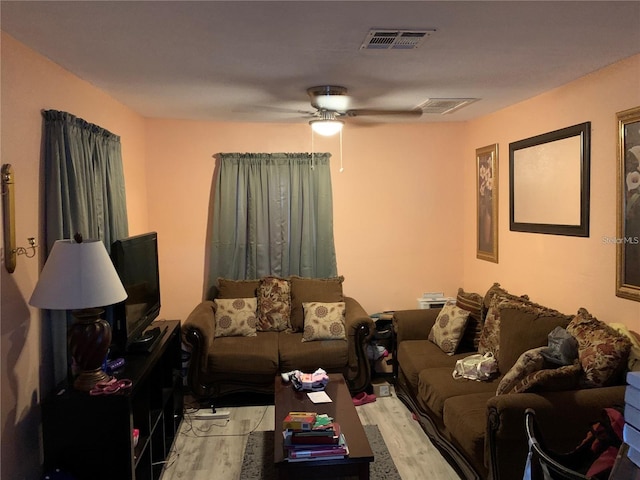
445	105
395	39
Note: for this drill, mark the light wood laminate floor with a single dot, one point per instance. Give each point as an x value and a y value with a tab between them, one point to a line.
212	449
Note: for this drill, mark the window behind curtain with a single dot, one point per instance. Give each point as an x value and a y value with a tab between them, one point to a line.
272	215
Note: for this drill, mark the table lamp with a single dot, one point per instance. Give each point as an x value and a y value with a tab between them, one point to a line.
80	276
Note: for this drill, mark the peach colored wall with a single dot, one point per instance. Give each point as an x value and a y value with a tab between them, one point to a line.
562	272
395	204
30	83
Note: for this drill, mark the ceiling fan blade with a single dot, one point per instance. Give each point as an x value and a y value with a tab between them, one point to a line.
284	110
362	112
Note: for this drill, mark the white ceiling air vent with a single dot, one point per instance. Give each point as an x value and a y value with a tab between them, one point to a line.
445	105
393	39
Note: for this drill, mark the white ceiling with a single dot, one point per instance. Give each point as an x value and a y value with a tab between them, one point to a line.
253	61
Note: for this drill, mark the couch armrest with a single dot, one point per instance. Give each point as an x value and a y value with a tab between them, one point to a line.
414	324
564	418
360	328
198	331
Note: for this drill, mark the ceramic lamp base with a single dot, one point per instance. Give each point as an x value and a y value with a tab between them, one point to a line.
89	341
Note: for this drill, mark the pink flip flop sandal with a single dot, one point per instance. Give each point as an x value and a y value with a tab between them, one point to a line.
362	398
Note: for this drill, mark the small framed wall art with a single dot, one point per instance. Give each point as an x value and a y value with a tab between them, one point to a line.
549	177
628	206
487	201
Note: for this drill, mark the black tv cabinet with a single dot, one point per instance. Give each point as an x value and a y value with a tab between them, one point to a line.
91	437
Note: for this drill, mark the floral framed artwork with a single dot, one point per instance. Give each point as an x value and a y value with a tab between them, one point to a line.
549	182
487	201
628	209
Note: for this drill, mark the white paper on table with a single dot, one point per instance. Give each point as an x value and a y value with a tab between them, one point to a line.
319	397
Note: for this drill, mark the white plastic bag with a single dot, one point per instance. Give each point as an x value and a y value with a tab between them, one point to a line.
476	367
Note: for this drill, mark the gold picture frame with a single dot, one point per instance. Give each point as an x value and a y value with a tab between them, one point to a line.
487	202
628	206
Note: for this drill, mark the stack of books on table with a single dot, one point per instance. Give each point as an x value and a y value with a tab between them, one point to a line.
308	436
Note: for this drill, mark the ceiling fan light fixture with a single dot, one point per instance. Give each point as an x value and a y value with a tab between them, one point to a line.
326	128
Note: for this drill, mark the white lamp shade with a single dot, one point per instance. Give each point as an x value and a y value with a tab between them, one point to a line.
326	127
76	276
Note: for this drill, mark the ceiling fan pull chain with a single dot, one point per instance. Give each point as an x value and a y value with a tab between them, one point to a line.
341	168
312	149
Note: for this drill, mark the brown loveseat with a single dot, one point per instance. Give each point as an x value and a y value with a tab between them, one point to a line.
249	360
481	432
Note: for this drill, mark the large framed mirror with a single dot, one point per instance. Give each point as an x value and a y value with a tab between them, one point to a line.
549	179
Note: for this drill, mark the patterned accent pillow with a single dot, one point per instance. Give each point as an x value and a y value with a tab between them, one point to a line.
449	326
323	321
550	380
496	289
236	317
305	289
529	362
602	351
490	335
274	304
472	302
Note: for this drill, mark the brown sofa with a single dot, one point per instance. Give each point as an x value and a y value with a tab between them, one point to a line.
222	365
479	431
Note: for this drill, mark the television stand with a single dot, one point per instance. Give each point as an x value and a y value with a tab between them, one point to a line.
91	437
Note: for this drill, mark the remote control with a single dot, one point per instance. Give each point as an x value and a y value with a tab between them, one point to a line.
114	365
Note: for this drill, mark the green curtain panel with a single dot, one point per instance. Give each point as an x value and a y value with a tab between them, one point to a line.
272	215
84	192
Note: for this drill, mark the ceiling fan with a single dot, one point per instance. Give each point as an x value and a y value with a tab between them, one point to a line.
332	105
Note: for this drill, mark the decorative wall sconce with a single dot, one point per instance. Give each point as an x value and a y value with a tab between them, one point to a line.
9	223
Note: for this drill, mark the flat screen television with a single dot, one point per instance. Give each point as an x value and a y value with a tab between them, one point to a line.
136	261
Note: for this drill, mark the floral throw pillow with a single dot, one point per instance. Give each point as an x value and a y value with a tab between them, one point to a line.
274	304
490	336
602	351
550	380
449	326
529	362
236	317
323	321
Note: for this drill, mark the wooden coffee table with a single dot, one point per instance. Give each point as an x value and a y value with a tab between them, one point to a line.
343	411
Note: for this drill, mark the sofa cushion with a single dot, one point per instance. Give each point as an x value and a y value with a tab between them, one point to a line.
237	288
312	290
245	355
323	321
524	325
235	317
416	355
435	385
465	418
490	335
274	304
330	355
449	326
471	302
602	351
